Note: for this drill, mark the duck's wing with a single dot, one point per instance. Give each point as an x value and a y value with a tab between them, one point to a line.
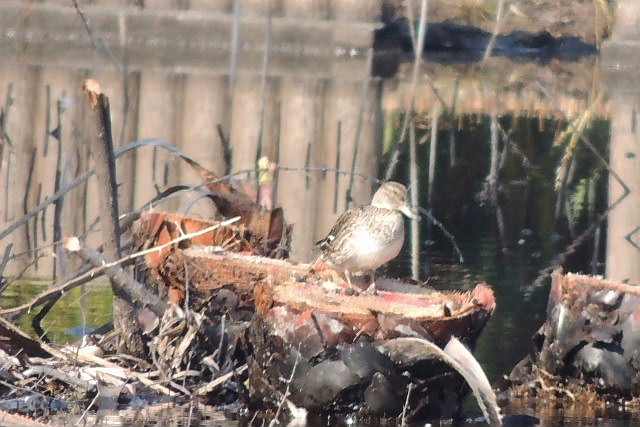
340	227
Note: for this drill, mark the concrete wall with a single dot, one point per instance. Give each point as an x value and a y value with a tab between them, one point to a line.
169	75
621	64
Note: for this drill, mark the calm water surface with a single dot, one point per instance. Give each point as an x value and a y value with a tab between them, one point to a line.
510	259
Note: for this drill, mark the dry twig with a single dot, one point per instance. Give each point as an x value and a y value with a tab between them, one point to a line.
89	274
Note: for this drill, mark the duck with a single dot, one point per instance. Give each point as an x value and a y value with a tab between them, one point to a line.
364	238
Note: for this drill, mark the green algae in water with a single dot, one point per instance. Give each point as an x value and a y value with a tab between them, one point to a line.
84	307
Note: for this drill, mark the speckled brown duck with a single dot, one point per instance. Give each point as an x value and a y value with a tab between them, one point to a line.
364	238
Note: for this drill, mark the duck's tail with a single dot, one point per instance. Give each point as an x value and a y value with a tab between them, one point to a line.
323	244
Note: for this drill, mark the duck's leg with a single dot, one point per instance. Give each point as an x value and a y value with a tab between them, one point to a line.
371	289
348	276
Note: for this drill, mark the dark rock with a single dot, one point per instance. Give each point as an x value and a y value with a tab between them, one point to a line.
630	341
605	362
382	397
320	386
364	360
404	352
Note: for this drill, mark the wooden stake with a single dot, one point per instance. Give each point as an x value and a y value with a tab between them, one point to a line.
124	314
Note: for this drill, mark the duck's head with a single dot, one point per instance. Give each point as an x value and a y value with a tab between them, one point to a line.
393	195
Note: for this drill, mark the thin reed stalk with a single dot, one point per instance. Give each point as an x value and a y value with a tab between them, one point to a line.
579	240
61	259
415	224
4	119
418	51
433	150
235	45
80	180
263	86
337	182
27	192
451	114
494	34
364	97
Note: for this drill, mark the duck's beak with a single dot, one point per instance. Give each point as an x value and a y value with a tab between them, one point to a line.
410	212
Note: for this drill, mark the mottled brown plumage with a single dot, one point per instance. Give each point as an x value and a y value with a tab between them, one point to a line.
364	238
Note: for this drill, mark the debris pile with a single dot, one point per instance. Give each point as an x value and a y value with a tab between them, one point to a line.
310	341
210	304
587	350
331	352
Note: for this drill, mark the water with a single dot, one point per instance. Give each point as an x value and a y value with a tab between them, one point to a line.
509	235
85	308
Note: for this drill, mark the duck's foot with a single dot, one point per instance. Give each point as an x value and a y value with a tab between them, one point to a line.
352	292
371	290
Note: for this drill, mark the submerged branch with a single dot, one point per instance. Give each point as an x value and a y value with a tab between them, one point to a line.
446	232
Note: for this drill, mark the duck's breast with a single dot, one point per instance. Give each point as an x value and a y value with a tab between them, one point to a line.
370	247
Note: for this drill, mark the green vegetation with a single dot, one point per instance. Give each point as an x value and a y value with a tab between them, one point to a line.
88	306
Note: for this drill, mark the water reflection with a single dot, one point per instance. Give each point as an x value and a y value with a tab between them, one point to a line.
297	121
165	414
82	308
623	228
501	133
